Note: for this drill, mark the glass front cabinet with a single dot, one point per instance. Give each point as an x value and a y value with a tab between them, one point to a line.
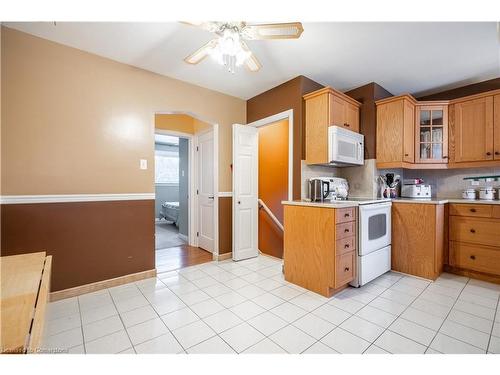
431	138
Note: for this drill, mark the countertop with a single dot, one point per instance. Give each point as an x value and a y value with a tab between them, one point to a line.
356	203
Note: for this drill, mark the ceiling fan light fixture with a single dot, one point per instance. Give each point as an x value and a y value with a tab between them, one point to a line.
229	50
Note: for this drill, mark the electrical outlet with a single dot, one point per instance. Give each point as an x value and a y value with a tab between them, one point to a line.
144	164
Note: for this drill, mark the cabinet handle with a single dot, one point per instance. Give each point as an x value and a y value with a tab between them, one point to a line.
346	246
406	154
346	124
497	153
239	202
473	257
445	157
473	230
346	230
488	153
472	210
347	215
346	269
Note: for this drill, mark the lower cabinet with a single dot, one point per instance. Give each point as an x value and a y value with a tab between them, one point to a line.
475	240
320	247
418	239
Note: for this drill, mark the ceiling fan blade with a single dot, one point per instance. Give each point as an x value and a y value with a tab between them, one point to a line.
291	30
251	62
201	53
208	25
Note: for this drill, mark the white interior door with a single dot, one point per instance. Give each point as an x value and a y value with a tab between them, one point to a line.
245	191
205	154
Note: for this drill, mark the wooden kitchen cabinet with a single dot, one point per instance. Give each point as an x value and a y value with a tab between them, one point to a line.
324	108
472	130
418	239
431	132
320	247
496	127
475	240
395	131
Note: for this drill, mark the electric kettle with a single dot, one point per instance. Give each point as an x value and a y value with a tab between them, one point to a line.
318	189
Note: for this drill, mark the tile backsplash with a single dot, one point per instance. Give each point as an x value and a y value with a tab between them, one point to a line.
449	183
309	171
363	180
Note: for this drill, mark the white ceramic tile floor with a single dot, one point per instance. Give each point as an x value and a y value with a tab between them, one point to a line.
248	307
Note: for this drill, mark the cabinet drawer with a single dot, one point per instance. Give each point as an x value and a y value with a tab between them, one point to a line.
344	269
474	210
496	211
475	257
345	245
343	215
475	230
345	230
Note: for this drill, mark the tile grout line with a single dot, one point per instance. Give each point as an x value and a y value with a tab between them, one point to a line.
493	325
159	316
81	325
446	317
121	320
397	317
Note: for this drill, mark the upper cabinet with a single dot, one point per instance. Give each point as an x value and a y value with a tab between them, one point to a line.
396	131
460	133
431	136
324	108
473	131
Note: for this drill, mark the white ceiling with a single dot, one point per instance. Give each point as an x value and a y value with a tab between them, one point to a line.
402	57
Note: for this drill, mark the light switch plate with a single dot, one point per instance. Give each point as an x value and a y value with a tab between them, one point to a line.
144	164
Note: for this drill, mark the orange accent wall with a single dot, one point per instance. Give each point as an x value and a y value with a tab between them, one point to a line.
273	184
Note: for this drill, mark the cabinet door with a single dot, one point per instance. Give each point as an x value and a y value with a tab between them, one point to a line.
336	111
351	117
417	239
496	124
431	142
317	121
473	130
409	133
390	120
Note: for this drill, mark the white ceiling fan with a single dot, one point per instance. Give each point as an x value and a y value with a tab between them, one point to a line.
229	48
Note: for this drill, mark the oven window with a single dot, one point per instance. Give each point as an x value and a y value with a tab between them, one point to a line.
377	226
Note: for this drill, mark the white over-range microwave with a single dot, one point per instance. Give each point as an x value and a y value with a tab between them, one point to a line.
345	147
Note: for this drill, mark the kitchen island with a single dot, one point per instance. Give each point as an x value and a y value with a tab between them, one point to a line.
320	245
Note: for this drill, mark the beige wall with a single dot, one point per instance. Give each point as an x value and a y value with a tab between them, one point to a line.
76	123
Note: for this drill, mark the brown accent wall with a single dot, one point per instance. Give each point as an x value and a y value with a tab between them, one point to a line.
89	241
475	88
367	95
273	184
77	123
225	225
282	98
